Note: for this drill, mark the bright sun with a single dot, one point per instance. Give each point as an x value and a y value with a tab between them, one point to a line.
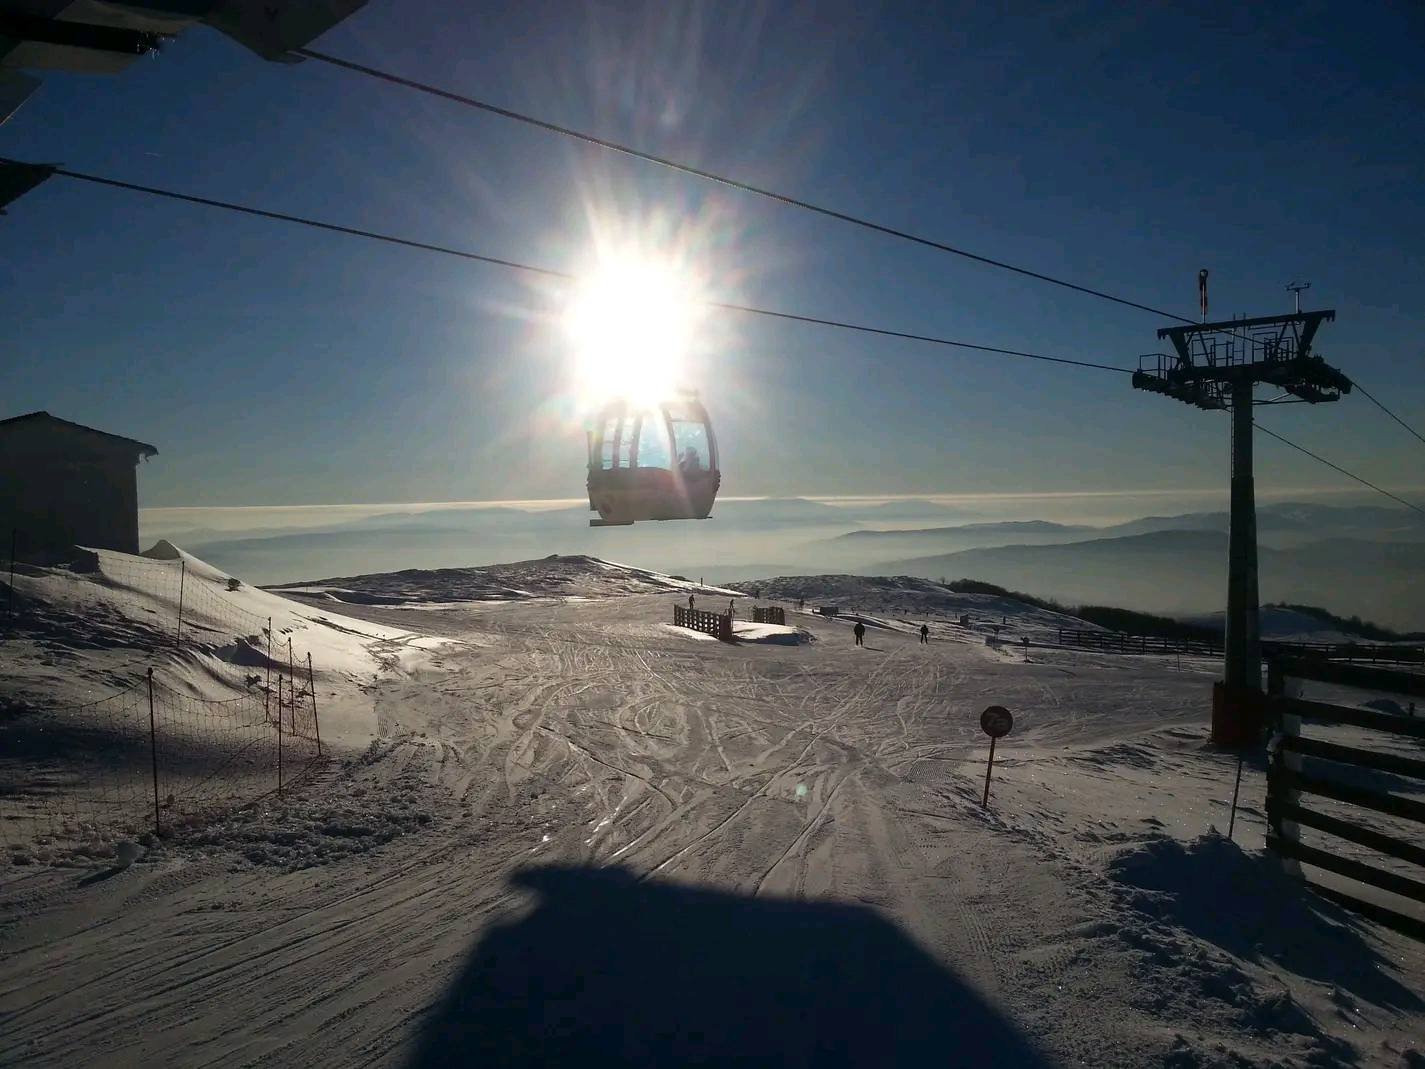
631	324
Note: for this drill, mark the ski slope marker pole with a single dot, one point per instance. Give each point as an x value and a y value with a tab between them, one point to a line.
1232	821
996	722
989	767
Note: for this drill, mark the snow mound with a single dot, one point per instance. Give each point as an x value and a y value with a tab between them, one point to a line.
770	634
1246	905
555	576
361	810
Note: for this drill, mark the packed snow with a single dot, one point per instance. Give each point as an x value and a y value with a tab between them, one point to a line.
578	835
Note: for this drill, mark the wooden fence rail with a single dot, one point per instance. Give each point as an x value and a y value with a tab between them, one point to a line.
1336	774
772	614
1348	652
1119	642
709	623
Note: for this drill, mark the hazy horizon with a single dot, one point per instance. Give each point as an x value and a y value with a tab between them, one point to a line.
1166	551
158	521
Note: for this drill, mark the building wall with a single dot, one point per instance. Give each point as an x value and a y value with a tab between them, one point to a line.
60	487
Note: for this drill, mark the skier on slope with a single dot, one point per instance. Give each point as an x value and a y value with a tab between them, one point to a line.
860	632
690	603
925	634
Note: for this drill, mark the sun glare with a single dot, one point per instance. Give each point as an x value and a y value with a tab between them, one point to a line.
631	324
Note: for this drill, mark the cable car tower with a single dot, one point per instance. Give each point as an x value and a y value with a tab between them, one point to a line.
1218	366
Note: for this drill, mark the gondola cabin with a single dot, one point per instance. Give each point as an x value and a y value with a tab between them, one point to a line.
652	462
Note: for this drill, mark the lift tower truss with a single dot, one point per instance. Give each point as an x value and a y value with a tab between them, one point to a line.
1217	366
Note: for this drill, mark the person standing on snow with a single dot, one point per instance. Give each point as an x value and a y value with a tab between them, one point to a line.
690	603
925	634
730	611
860	632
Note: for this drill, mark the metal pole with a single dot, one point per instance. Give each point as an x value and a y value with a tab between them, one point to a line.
182	575
267	693
989	767
1242	661
279	735
153	753
312	682
10	604
291	686
1236	787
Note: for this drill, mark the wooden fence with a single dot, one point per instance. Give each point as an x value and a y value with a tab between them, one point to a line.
709	623
1119	642
772	614
1352	775
1363	652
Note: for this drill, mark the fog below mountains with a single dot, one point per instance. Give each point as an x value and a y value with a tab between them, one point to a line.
1352	559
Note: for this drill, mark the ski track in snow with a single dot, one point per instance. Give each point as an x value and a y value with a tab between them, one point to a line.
577	733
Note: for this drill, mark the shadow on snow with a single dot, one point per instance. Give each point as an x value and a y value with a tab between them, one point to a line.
610	971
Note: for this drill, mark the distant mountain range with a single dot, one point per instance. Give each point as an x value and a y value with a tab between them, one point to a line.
1309	521
1365	560
1180	572
906	509
740	534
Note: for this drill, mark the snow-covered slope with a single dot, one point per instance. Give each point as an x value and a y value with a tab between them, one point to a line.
576	575
84	630
582	801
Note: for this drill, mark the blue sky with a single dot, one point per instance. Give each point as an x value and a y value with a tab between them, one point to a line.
273	365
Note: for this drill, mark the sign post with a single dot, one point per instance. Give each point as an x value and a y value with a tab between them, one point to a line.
995	722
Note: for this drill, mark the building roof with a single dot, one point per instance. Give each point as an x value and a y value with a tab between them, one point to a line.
142	448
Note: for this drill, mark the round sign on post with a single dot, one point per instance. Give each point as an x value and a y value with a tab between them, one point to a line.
996	722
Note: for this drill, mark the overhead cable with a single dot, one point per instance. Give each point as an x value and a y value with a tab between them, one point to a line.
444	250
1337	467
1371	398
747	187
548	272
711	176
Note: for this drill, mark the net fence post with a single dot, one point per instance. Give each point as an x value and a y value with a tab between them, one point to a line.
279	735
267	692
312	683
153	754
291	688
182	577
